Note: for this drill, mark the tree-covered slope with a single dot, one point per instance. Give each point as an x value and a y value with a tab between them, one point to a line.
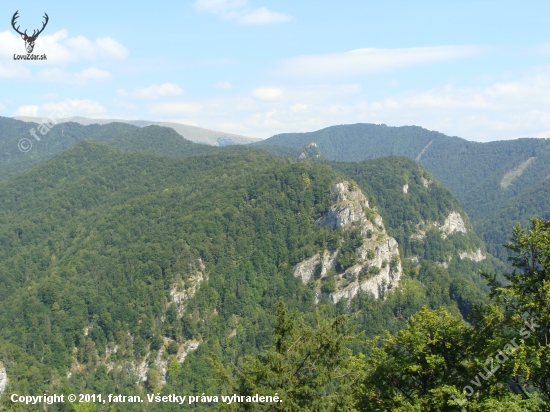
487	178
55	140
361	141
123	272
60	137
416	209
158	140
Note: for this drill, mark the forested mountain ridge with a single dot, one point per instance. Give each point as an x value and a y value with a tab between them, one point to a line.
115	261
489	179
192	133
55	140
60	137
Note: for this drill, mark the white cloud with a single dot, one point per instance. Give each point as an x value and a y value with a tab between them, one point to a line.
268	93
239	11
86	76
176	108
153	92
124	105
263	16
11	44
60	48
224	85
13	71
371	60
498	110
502	110
265	111
30	110
67	108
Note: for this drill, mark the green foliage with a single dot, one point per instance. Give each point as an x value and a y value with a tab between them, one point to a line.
172	348
348	255
440	363
328	283
58	139
473	171
373	270
159	140
310	368
416	369
317	271
426	366
523	298
96	241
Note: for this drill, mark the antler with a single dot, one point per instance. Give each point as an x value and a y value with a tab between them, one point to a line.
34	33
43	27
13	21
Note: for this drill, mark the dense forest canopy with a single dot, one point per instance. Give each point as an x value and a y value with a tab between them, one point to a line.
115	261
148	264
499	183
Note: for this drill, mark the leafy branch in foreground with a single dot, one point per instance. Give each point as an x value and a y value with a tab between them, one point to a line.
524	299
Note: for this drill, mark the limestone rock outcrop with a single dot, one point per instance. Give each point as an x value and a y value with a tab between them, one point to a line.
476	256
377	265
453	223
3	379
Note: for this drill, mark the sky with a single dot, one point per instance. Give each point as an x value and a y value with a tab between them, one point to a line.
479	69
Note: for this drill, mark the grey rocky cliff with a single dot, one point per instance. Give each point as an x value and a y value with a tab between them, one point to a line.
310	151
378	251
3	379
476	256
181	292
453	223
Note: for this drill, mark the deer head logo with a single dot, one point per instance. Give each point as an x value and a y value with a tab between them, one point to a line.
29	40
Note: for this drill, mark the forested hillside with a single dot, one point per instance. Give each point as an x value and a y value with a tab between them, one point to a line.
127	272
489	179
55	140
60	137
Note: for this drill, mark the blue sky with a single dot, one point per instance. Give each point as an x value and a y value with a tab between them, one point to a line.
475	69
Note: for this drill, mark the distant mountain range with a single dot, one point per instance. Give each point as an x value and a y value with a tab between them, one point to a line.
192	133
497	183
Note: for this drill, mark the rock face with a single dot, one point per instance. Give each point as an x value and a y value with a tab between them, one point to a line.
377	266
347	209
188	347
310	151
182	292
453	223
477	256
3	379
306	268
